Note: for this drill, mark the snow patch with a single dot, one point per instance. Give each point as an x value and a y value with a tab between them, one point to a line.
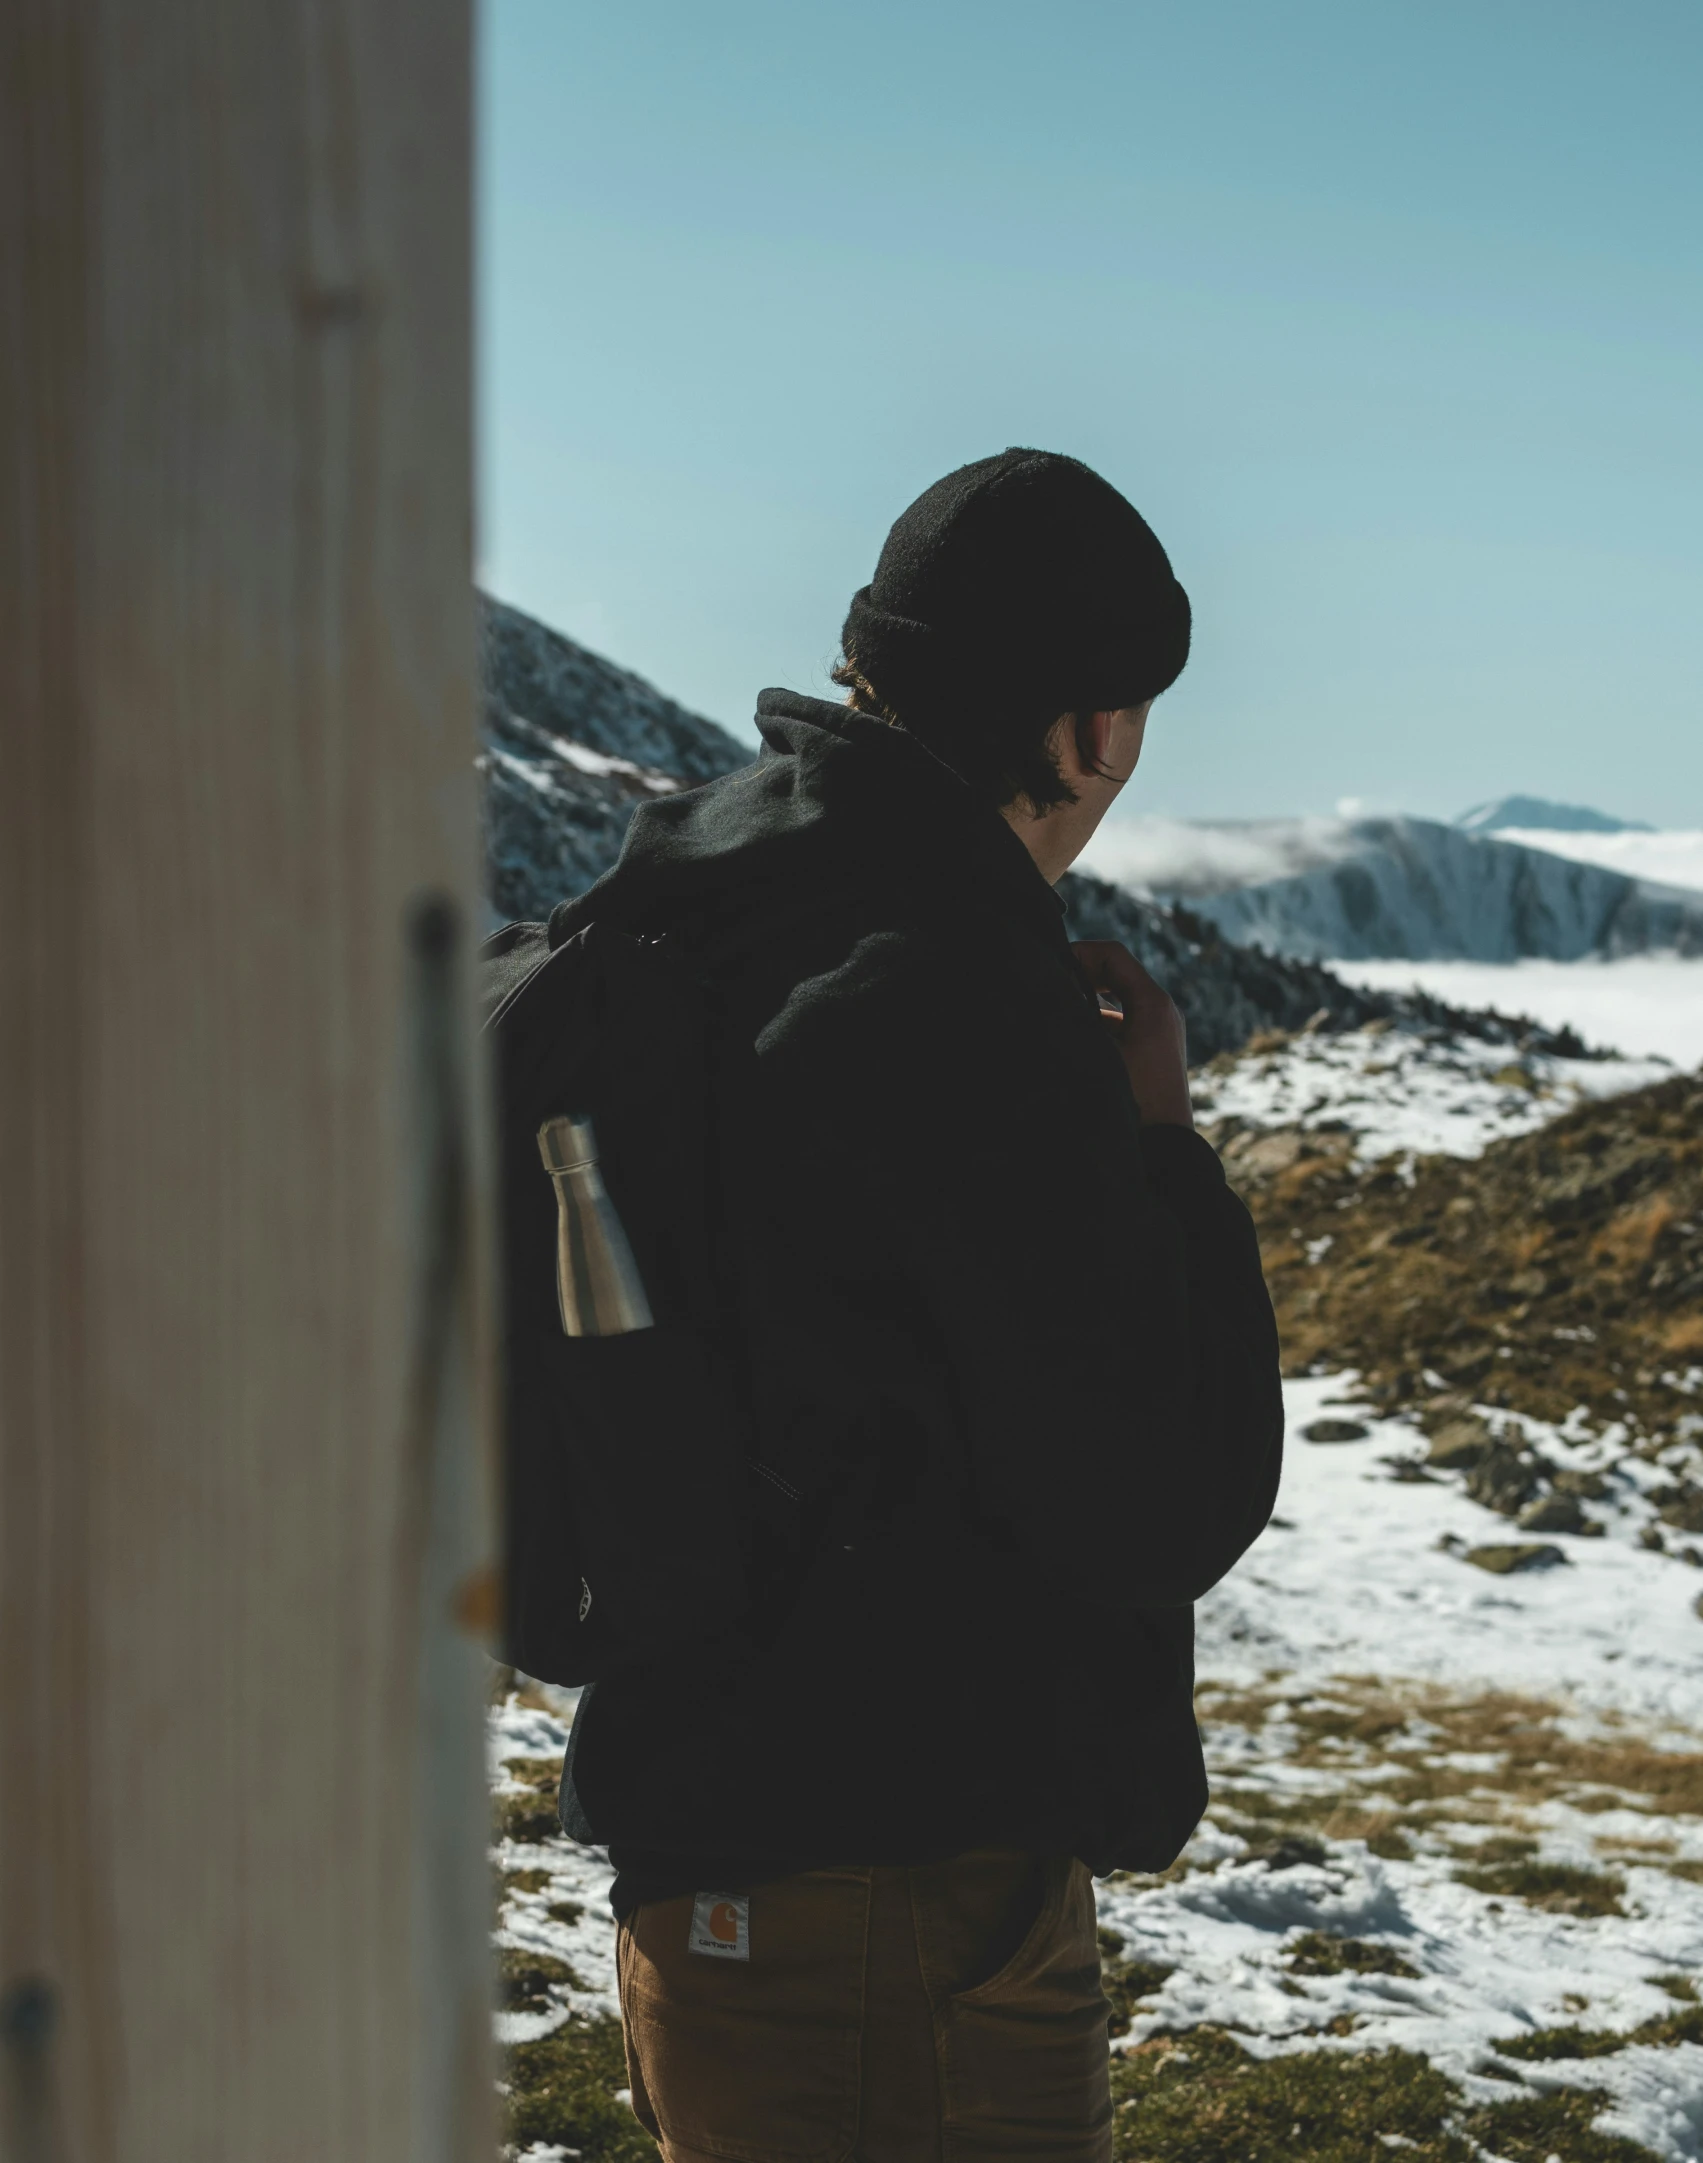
1401	1090
1358	1580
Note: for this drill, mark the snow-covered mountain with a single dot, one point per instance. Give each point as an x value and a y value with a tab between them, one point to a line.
1359	889
1632	847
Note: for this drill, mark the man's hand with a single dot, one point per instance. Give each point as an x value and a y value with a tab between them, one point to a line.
1147	1030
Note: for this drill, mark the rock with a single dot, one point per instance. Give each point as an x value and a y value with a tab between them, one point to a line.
1263	1156
1681	1506
1335	1430
1594	1184
1552	1513
1588	1486
1518	1555
1458	1445
1447	1406
1291	1852
1502	1480
1651	1537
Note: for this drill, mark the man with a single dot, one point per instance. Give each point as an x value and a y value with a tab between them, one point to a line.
1011	1369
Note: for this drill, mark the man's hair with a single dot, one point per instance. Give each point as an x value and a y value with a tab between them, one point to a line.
1015	592
1004	754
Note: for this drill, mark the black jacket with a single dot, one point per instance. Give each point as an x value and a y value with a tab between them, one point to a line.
1014	1352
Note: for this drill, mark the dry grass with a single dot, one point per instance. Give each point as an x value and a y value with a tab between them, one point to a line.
1630	1237
1683	1336
1560	1268
1444	1761
1317	1952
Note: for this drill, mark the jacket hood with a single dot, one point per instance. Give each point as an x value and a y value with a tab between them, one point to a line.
835	803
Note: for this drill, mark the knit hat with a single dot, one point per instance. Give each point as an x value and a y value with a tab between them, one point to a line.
1023	581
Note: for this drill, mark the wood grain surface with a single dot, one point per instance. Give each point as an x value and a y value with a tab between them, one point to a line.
242	1880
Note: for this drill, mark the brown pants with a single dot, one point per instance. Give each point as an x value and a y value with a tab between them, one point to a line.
949	2013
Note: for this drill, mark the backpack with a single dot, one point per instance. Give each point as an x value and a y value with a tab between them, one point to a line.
626	1482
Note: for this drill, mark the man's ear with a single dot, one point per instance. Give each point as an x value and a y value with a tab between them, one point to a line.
1089	736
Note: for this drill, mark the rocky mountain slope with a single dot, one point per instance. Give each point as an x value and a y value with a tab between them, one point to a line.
1559	1274
572	743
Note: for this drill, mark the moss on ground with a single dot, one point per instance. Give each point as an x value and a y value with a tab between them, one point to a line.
1202	2098
1536	2128
562	2090
526	1818
1539	2045
1321	1953
529	1816
526	1979
1559	1887
1125	1982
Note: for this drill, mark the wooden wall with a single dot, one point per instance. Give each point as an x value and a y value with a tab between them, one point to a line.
242	1882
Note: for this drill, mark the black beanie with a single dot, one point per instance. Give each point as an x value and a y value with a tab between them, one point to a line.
1024	583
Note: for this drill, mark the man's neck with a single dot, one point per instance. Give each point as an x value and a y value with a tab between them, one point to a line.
1056	837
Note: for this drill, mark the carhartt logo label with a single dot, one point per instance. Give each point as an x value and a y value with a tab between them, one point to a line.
721	1924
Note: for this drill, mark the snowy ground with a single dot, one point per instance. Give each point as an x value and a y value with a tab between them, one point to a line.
574	1877
1396	1089
1359	1572
1648	1005
1354	1662
1362	1576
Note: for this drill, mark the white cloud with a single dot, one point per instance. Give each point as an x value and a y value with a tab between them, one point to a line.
1183	856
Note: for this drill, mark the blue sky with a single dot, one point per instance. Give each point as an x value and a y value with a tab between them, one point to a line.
1388	316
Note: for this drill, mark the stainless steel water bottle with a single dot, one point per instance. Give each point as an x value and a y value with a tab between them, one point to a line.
598	1287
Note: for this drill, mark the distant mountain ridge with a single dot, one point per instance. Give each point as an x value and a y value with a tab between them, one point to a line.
1403	888
572	743
1416	890
1539	812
